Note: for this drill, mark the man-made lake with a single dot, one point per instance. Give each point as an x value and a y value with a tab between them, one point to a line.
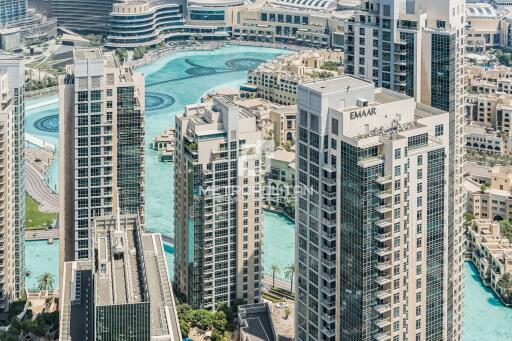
184	78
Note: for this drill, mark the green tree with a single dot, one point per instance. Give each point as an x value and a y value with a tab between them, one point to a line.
94	40
121	54
185	328
505	283
275	270
139	52
289	273
45	281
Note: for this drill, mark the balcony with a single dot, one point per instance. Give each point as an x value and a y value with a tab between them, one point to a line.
383	265
329	250
383	280
327	303
382	336
382	237
383	294
381	323
382	308
383	208
384	194
328	277
382	251
383	180
328	291
328	318
329	236
328	332
383	223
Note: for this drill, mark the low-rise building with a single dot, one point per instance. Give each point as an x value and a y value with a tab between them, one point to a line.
281	181
491	199
278	79
304	25
490	252
485	140
484	27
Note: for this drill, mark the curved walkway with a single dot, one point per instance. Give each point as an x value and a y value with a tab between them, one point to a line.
37	187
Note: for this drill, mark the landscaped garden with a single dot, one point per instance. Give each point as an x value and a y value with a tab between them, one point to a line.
35	219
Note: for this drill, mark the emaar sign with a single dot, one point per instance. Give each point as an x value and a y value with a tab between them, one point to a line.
363	113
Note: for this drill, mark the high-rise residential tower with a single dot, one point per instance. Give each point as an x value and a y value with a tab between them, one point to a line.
12	181
101	146
11	10
416	47
372	220
218	204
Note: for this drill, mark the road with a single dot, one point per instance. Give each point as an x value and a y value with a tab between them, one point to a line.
267	283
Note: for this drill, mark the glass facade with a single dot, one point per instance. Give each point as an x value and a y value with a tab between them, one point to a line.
11	10
205	15
435	244
357	236
123	322
130	157
443	71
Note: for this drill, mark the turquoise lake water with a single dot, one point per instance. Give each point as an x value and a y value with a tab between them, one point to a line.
182	79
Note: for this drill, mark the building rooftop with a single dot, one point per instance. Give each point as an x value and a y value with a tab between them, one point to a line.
338	83
88	53
255	322
480	10
129	267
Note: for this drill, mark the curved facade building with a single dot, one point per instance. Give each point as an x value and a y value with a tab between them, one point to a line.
139	23
219	13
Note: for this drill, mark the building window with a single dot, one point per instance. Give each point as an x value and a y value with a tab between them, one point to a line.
398	153
439	130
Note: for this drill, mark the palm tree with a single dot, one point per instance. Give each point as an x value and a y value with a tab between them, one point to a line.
45	281
275	269
289	273
505	283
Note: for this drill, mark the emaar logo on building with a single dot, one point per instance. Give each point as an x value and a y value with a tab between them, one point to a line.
363	113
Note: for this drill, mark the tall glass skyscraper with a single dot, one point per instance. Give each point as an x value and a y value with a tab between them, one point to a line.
371	221
11	10
416	47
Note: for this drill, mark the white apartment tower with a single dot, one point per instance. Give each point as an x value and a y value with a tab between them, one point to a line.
416	47
372	227
12	181
218	204
101	147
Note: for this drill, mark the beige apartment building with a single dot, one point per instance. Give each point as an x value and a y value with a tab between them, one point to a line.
490	197
490	252
101	146
12	183
485	29
276	22
278	79
277	122
281	181
219	174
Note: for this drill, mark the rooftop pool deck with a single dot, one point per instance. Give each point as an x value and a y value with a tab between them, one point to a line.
184	78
